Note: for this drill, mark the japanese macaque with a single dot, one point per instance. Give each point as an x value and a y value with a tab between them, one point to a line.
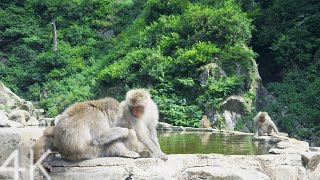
263	124
140	115
205	123
86	130
44	143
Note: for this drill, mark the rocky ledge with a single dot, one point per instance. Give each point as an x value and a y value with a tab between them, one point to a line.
291	159
194	166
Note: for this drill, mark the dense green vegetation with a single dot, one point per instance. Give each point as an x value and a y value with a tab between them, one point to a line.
288	42
107	47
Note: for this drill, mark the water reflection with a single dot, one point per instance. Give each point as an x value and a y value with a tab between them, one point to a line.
206	143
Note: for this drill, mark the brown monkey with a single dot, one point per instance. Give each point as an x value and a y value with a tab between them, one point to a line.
263	124
86	130
140	115
44	143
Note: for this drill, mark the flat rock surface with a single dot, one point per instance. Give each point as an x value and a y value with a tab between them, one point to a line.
188	166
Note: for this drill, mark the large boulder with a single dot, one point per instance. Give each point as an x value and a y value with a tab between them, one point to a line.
290	146
311	160
5	122
8	98
33	121
233	109
20	116
27	106
3	119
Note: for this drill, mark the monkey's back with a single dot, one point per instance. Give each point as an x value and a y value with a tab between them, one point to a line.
73	133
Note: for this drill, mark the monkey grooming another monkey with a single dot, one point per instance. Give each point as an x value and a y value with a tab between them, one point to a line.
263	124
86	130
140	115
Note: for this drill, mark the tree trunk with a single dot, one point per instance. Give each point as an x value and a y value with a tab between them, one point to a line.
54	32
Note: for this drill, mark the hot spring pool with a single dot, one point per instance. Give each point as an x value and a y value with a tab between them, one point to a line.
206	143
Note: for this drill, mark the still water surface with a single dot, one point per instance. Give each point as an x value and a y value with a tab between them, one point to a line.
206	143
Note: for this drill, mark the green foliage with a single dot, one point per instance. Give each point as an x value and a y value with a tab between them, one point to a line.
287	39
297	104
179	112
160	45
64	92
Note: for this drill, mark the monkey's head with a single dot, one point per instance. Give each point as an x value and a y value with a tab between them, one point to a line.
262	116
137	100
112	107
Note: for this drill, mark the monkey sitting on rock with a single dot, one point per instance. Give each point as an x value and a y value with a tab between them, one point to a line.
264	125
85	130
140	116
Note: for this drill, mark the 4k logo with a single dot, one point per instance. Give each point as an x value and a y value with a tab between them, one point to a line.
14	157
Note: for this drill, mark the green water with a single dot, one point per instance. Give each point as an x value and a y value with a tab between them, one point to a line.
206	143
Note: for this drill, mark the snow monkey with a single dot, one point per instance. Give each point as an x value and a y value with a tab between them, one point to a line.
86	130
44	143
140	115
263	124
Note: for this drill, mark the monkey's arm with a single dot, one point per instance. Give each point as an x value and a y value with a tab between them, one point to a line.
274	127
110	135
144	137
154	137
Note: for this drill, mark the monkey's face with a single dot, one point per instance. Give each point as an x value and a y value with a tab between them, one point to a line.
137	111
262	119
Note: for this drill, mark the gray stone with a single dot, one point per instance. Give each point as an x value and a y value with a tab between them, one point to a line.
5	99
311	160
314	175
13	98
233	109
163	125
20	116
3	119
14	124
315	149
212	114
198	129
290	146
234	104
33	122
283	166
42	122
204	77
232	173
38	113
5	122
286	172
27	106
173	128
46	121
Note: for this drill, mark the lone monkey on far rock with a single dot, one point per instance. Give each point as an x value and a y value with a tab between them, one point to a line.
263	124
